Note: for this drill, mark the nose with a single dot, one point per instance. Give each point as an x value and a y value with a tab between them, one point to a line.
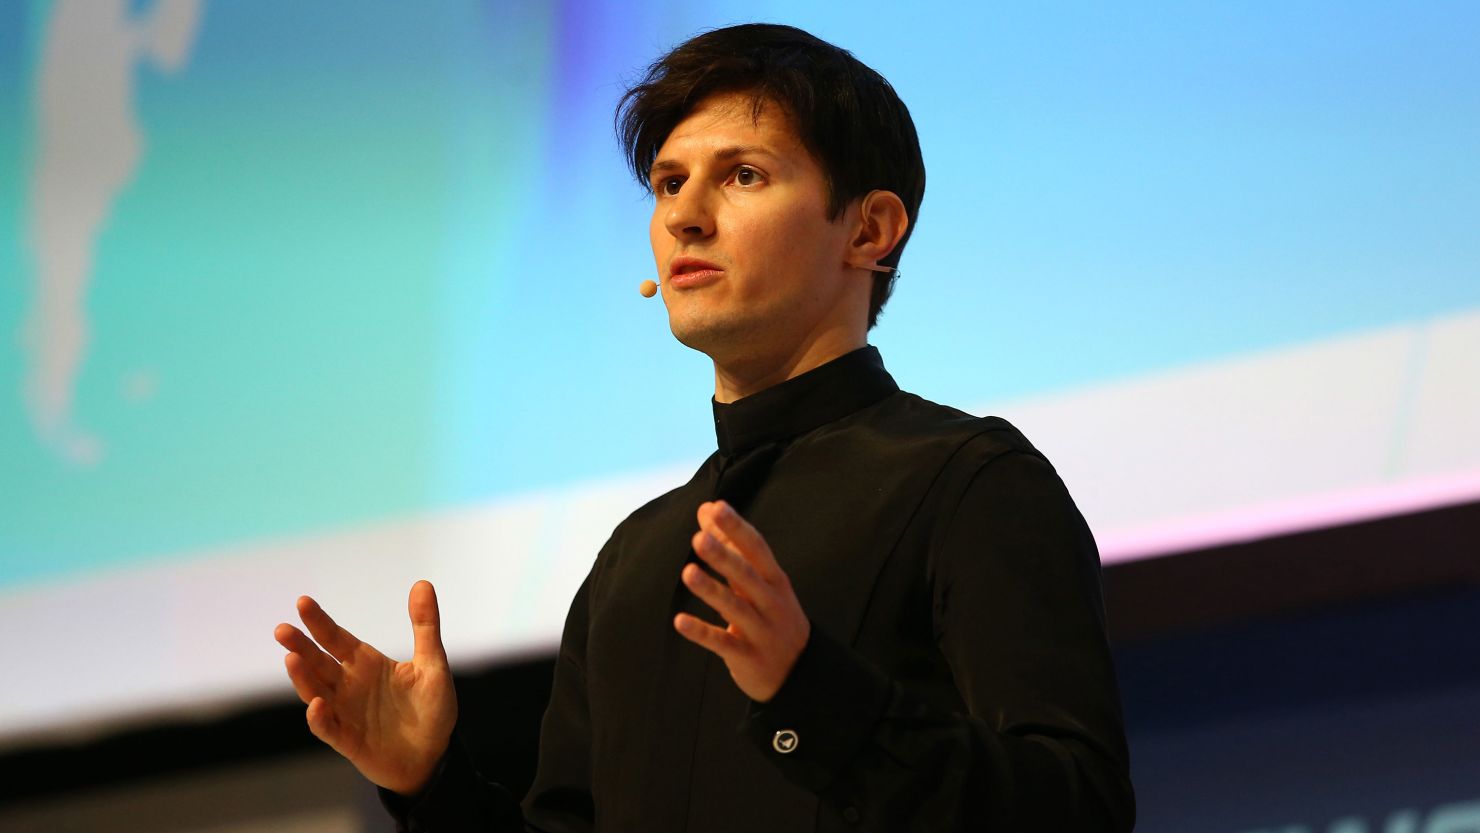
689	215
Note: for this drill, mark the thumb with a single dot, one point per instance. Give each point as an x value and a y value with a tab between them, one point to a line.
323	723
426	623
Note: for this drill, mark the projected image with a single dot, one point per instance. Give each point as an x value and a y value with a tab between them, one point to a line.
325	299
88	146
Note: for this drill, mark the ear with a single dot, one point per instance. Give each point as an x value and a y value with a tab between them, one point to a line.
882	222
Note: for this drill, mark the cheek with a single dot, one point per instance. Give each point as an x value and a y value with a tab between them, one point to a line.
767	231
798	240
660	240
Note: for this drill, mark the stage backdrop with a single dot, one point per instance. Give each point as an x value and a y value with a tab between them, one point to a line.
324	298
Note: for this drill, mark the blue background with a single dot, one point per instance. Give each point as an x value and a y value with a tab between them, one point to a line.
382	259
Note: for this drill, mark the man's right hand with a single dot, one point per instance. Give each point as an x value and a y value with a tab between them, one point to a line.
392	720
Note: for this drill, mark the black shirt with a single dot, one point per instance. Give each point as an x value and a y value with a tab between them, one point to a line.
957	677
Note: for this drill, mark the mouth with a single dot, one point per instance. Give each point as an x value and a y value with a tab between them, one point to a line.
691	271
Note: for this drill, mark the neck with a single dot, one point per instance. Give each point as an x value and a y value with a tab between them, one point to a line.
736	377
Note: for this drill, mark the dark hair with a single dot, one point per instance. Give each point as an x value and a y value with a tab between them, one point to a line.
844	113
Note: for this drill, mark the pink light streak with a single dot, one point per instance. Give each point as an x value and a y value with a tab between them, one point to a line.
1316	511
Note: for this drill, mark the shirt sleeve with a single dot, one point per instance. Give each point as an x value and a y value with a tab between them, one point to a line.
1019	618
460	800
457	800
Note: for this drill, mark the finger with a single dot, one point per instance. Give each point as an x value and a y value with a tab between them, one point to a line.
720	519
340	643
426	623
296	642
322	723
309	679
306	683
735	610
707	636
732	565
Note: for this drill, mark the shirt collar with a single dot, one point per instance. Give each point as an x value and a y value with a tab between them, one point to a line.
825	393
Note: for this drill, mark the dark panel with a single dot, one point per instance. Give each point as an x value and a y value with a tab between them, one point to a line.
1358	719
1234	661
1383	557
501	710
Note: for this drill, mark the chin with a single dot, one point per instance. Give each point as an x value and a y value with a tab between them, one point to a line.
715	337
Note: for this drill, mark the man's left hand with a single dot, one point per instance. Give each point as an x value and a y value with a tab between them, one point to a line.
767	629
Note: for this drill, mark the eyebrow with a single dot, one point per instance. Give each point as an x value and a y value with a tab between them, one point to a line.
719	156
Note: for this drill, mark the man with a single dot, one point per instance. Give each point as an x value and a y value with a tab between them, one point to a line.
865	611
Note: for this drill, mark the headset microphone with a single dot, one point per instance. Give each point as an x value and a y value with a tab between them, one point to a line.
648	288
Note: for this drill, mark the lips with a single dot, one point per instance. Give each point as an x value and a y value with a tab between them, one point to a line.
688	271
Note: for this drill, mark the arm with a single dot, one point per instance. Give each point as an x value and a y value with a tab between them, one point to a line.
394	720
1017	616
459	798
390	719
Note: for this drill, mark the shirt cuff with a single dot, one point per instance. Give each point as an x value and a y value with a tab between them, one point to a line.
824	714
456	798
401	807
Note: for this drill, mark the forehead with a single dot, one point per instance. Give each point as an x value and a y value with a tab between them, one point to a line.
731	118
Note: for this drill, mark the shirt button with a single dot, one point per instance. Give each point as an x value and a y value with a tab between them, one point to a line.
785	741
850	815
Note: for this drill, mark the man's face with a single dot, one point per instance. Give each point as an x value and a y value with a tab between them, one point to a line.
751	267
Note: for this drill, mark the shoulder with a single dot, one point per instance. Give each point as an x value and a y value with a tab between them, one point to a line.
665	504
668	506
651	526
975	441
982	460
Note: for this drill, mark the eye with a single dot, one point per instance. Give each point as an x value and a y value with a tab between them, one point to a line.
745	176
669	187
